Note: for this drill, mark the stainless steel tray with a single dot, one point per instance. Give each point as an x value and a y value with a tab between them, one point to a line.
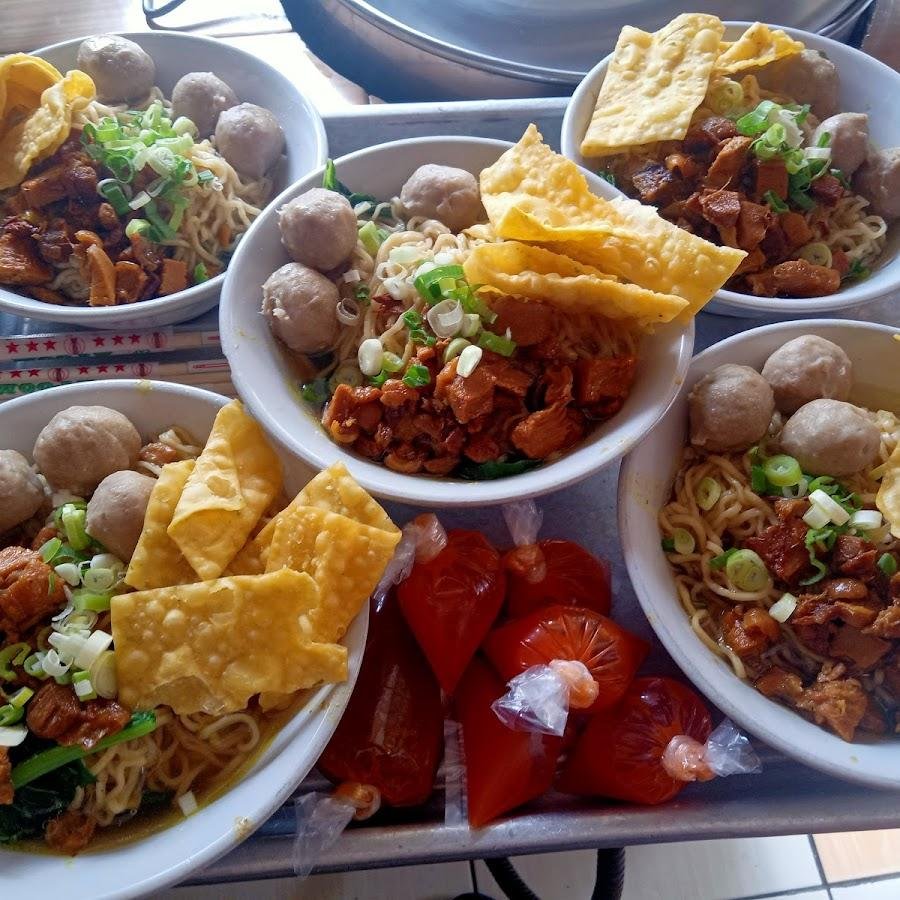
786	798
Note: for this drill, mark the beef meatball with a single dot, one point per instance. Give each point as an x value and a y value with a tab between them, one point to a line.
318	229
21	491
121	70
831	437
444	193
250	138
300	305
848	138
878	180
808	368
81	445
809	77
115	513
200	97
730	409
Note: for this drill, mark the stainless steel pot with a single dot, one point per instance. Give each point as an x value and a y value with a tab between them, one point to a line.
409	50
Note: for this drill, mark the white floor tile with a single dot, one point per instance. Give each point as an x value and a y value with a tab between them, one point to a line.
552	876
717	870
437	882
888	889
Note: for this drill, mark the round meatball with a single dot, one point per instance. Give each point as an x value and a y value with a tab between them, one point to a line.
250	138
808	77
81	445
301	306
444	193
120	69
21	491
115	513
848	138
878	180
318	229
808	368
200	97
730	409
831	437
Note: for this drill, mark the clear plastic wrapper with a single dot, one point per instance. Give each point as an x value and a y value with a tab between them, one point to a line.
523	520
421	540
539	699
454	769
726	752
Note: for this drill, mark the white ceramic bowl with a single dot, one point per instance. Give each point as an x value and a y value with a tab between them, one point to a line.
644	485
254	81
867	86
151	863
270	390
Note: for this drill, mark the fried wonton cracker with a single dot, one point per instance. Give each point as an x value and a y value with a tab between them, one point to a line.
211	646
534	194
345	558
888	497
534	273
157	562
39	132
334	489
653	84
237	476
758	46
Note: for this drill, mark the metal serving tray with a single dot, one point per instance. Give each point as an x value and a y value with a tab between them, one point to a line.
787	798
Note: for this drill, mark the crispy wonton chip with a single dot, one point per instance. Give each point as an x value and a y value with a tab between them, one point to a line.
345	558
209	647
157	562
888	497
758	46
534	194
236	478
334	489
653	84
43	130
538	274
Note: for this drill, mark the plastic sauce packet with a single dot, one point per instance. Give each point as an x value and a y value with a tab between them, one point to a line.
539	699
726	752
322	818
421	540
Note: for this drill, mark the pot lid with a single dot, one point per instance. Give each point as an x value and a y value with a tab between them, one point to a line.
557	40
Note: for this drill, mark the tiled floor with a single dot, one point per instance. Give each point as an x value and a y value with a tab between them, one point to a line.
851	866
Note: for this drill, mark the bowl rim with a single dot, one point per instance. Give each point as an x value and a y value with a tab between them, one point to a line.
210	290
397	486
260	791
686	651
856	295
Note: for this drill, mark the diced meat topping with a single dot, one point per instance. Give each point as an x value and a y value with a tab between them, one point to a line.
27	594
158	454
782	547
749	632
840	705
55	713
854	556
6	785
70	833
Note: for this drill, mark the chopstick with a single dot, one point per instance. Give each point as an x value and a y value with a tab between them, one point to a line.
91	372
105	343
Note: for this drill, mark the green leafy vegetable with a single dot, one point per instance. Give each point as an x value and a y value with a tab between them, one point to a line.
315	391
607	175
417	334
417	376
668	545
774	202
857	271
489	471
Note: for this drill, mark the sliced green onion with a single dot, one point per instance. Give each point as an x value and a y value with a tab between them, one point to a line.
816	517
668	545
782	609
427	283
390	362
10	715
83	599
72	519
708	492
496	343
151	211
137	227
471	325
49	549
684	541
454	348
81	683
21	697
746	571
802	200
103	675
417	376
370	237
98	579
774	202
758	480
836	513
33	666
469	359
782	471
121	167
816	253
887	562
142	723
69	572
719	562
112	192
13	655
205	176
866	520
200	273
756	121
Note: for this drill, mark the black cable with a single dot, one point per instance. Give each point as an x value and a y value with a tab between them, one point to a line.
508	879
610	874
152	12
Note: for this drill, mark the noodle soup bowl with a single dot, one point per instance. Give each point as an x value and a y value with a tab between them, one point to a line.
645	483
123	867
866	86
267	383
254	81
